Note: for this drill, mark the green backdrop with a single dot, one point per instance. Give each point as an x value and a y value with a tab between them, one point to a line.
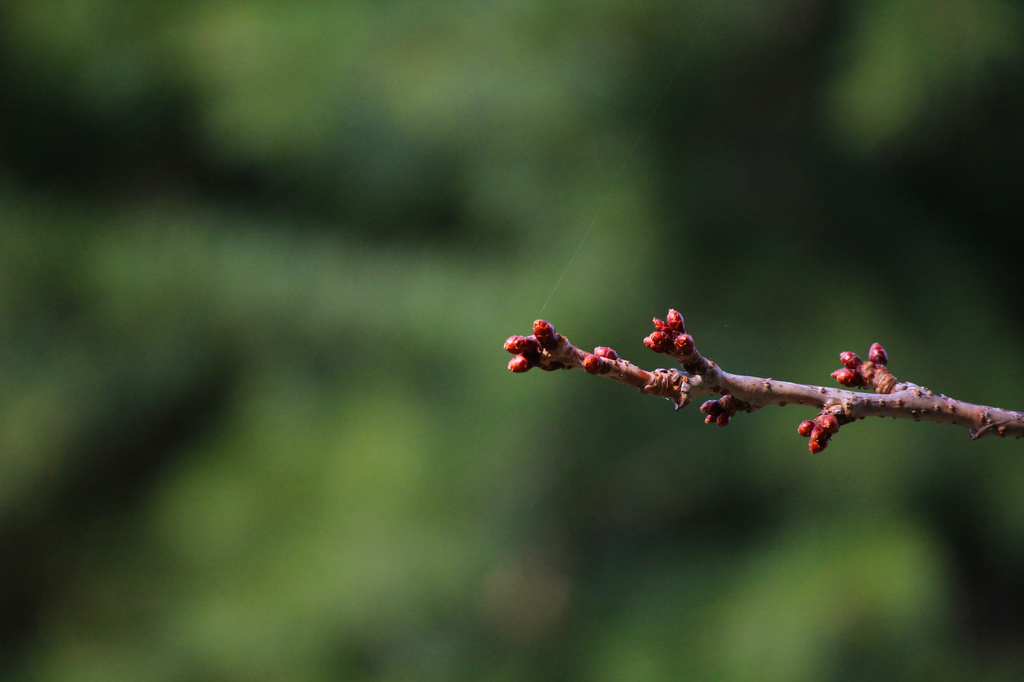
258	259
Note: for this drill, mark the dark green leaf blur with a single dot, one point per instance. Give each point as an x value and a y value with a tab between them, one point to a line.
258	260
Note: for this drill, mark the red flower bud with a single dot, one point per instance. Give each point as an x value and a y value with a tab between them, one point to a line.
850	359
684	344
712	408
804	429
828	423
606	352
819	439
848	377
593	363
723	419
877	354
660	340
543	330
675	320
522	344
649	342
519	364
659	325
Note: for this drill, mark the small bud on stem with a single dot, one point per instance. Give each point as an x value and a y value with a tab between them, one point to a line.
519	364
594	364
675	320
522	344
828	423
545	333
878	355
712	408
848	377
684	344
850	359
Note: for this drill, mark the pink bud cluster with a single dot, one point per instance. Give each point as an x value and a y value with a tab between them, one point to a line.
720	411
820	431
528	350
670	337
856	373
849	374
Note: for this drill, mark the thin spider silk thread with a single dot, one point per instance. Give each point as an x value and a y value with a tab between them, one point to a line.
622	168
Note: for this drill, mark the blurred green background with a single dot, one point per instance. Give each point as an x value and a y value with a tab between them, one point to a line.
259	259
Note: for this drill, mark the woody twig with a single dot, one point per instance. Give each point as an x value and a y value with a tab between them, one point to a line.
549	350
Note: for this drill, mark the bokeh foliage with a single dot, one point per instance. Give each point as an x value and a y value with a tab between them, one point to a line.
258	260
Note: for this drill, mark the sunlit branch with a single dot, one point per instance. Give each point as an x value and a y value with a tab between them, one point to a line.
549	350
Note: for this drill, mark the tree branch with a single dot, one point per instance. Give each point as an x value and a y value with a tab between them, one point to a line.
549	350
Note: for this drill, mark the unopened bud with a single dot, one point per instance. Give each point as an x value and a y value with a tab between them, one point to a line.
519	364
606	352
819	439
848	377
804	429
712	408
660	341
723	419
878	355
593	363
684	344
675	320
522	344
828	423
850	359
543	330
